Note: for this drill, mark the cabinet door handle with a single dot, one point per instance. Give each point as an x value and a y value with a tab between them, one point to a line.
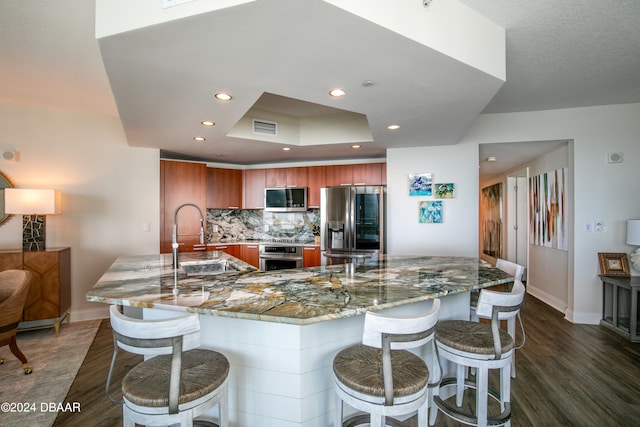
252	247
309	248
233	207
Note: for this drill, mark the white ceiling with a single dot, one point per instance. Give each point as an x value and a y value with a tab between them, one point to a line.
559	54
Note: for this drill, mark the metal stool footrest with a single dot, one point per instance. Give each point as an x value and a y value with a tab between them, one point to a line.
360	419
468	418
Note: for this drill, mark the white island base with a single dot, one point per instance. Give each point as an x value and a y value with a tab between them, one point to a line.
281	374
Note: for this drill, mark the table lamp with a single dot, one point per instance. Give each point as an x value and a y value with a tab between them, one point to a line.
33	205
633	238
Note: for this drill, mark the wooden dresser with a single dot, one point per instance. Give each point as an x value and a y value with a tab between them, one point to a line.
49	299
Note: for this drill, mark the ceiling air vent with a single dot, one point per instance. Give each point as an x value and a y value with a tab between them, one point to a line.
265	128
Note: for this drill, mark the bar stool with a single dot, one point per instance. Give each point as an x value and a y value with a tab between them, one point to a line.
517	271
481	346
380	376
179	383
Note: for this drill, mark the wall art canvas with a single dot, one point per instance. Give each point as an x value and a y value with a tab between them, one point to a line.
491	220
444	191
547	209
420	184
430	212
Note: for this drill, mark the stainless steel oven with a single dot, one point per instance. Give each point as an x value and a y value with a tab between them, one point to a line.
280	256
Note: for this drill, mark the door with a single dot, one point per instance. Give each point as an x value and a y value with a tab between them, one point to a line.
517	222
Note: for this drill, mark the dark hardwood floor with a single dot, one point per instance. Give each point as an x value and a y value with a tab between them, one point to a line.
567	375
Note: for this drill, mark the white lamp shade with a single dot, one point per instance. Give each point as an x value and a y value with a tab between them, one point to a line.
32	202
633	232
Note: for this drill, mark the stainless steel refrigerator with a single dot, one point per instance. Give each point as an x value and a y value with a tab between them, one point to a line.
352	224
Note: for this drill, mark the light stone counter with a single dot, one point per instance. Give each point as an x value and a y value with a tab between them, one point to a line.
299	297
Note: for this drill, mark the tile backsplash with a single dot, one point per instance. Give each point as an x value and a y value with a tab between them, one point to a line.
242	224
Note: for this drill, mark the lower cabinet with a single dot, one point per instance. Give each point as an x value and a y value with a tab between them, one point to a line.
233	250
311	256
49	299
250	255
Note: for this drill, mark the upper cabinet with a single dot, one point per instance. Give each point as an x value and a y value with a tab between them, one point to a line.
180	183
287	177
254	184
357	174
224	188
316	182
221	188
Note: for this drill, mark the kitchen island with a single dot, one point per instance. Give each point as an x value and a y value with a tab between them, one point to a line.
281	329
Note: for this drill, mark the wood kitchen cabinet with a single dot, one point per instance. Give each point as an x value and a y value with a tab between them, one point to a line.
49	296
254	184
231	249
356	174
180	183
250	254
286	177
224	188
311	256
316	175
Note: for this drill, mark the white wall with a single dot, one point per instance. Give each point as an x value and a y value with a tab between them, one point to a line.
109	190
458	234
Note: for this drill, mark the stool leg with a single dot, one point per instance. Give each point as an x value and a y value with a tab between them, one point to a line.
337	411
511	328
482	390
223	408
460	377
505	388
423	414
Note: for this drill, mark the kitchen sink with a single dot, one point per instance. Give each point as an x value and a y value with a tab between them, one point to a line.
207	267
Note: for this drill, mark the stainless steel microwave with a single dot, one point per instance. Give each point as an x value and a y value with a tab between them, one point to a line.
285	199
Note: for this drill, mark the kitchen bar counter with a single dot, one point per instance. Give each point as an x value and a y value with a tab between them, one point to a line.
299	297
280	330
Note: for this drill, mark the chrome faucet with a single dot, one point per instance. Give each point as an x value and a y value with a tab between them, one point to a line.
174	239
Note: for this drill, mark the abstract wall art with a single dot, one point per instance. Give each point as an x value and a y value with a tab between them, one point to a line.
491	220
547	214
430	212
420	184
444	191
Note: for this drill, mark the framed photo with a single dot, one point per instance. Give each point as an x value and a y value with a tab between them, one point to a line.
613	264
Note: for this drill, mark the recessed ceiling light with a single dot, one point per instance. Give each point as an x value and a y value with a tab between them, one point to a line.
393	127
199	138
337	92
286	148
491	159
368	83
223	96
207	123
355	146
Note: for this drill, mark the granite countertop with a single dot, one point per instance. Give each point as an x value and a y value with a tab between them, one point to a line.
300	296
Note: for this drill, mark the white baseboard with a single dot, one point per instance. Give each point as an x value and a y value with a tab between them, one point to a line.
561	306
